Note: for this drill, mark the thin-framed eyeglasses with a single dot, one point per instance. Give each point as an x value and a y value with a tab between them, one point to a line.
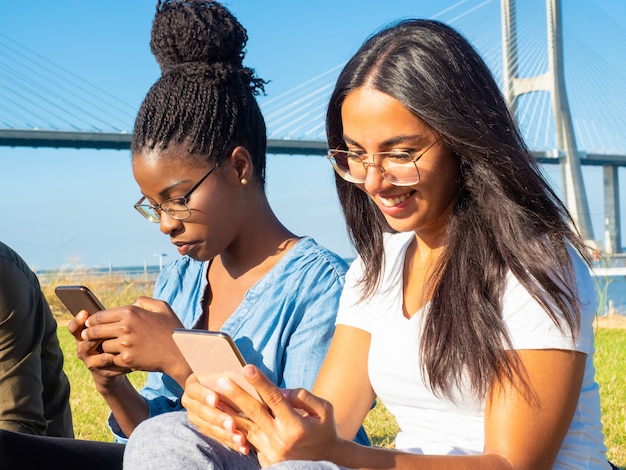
177	207
398	167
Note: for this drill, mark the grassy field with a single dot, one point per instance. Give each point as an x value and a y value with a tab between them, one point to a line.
610	362
90	411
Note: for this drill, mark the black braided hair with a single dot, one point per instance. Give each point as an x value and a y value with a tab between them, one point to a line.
205	97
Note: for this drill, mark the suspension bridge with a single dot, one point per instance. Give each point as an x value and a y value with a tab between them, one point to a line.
559	75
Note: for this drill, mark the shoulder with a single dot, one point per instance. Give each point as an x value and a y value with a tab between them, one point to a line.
9	259
528	323
181	274
308	257
306	274
184	264
584	281
394	247
14	268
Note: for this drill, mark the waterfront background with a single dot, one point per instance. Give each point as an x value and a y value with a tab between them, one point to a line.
121	274
75	206
611	289
611	295
65	69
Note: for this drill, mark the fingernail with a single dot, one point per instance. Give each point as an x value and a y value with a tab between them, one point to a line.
243	450
223	384
250	371
228	425
210	399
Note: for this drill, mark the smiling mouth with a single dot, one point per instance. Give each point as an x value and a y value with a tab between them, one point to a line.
395	200
181	244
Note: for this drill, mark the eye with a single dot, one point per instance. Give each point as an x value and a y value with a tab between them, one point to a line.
399	157
356	155
175	204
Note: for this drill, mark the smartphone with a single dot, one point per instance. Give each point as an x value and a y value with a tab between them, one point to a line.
77	298
213	354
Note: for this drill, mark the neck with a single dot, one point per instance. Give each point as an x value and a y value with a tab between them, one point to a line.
262	241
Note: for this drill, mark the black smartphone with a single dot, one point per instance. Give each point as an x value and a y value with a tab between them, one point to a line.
77	298
212	354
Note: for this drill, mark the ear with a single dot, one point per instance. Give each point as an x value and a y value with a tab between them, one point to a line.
240	162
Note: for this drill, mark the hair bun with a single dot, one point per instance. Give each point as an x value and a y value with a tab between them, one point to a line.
190	33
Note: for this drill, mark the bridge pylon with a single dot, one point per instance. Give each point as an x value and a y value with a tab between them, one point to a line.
552	81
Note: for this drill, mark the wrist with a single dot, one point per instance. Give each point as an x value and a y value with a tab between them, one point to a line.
345	453
178	369
110	385
336	452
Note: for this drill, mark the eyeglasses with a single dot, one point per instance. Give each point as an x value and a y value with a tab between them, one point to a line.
176	208
397	167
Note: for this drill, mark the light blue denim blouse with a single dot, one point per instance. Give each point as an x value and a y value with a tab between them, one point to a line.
283	325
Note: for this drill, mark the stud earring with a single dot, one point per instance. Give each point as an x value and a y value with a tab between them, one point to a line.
243	181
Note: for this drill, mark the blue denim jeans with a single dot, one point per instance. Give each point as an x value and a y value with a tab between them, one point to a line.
170	441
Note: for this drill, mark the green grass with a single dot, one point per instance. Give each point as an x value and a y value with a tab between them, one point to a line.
610	362
90	411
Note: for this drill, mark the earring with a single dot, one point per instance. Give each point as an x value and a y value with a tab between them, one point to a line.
243	181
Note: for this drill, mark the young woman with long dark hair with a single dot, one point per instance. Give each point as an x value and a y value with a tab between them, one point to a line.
469	310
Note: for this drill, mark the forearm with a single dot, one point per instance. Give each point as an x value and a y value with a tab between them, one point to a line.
128	407
179	371
351	455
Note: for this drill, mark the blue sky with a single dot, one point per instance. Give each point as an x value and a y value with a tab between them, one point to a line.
74	208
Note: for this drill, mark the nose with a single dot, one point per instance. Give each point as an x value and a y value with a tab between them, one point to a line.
373	177
168	224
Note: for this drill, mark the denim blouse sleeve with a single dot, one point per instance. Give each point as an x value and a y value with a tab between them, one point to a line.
316	296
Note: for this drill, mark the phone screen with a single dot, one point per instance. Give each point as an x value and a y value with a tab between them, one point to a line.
212	354
77	298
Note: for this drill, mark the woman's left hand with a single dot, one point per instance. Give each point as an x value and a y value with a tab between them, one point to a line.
291	425
139	337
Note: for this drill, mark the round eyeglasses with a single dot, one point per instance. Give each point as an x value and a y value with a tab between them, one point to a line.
176	208
397	167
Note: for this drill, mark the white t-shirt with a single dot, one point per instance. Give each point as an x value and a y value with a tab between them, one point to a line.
443	425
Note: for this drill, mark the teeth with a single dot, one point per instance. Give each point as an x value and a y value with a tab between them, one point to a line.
393	201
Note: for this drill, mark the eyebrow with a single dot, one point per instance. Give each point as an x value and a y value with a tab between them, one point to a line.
165	192
400	139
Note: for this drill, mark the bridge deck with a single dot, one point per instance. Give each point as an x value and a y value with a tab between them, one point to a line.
121	141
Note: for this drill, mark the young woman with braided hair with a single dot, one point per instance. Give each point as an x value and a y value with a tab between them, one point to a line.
469	311
198	155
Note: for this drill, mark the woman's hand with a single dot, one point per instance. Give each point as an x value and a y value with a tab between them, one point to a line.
105	372
291	425
138	337
212	417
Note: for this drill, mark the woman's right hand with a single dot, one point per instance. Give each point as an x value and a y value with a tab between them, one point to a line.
212	417
101	364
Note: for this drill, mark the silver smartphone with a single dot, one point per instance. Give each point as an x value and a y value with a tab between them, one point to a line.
212	354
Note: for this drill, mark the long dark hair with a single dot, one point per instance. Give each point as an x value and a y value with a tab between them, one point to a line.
205	96
507	218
